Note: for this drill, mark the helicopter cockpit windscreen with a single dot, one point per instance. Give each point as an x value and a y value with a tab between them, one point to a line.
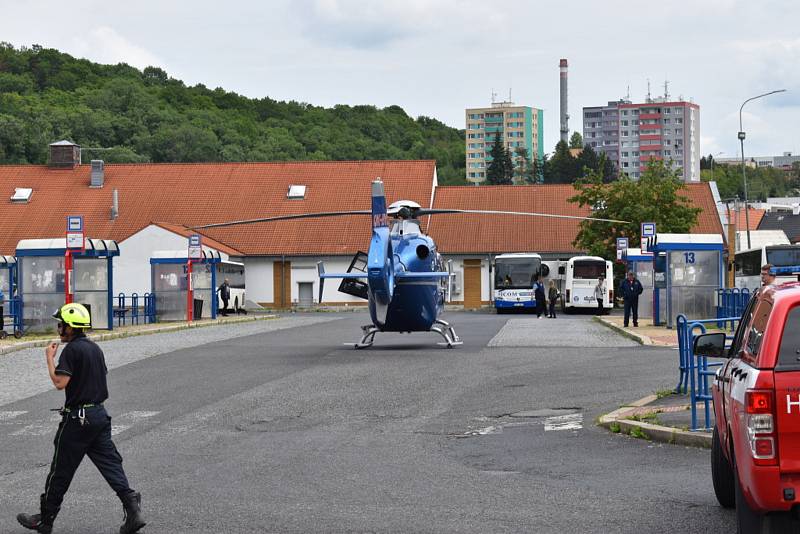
589	269
515	273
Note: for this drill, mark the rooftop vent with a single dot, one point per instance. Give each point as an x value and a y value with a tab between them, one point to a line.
98	173
22	195
65	154
296	192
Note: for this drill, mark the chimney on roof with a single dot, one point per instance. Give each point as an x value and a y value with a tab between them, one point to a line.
98	173
64	155
114	205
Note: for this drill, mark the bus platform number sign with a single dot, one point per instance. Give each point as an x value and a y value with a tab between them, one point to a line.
195	247
74	233
648	230
622	246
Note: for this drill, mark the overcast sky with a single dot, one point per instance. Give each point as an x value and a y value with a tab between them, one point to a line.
438	57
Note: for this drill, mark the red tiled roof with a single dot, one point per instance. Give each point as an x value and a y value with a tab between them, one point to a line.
207	241
204	193
508	233
755	216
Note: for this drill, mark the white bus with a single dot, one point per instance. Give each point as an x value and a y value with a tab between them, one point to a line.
234	272
513	280
785	259
578	280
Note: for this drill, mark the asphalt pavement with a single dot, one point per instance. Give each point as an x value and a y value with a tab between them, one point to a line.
286	430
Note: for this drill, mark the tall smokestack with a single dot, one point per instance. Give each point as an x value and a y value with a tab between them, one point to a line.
564	115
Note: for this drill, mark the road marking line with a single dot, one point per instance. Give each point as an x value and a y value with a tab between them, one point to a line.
116	429
564	422
6	416
34	430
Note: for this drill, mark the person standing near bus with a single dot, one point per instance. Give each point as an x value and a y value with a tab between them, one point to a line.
600	292
631	288
767	276
552	297
225	295
85	428
538	296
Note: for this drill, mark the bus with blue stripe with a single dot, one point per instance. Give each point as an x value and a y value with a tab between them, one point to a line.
513	280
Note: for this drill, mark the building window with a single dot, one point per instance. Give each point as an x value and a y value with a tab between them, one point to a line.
635	153
666	121
636	164
667	152
624	112
635	123
625	164
634	111
624	133
666	111
624	154
473	126
666	131
678	121
623	123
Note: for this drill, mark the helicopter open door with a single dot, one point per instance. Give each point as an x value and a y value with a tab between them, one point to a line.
354	286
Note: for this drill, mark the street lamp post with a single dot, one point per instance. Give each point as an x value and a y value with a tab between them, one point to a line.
744	175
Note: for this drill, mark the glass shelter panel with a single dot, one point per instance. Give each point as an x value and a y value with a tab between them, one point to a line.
91	288
201	285
42	281
644	273
169	285
695	278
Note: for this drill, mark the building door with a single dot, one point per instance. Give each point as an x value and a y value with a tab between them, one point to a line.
282	284
472	284
306	294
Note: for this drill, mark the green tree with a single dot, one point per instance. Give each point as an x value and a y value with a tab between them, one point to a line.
576	141
655	197
526	170
496	171
562	167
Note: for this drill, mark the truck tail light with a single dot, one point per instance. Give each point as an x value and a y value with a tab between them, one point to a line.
760	417
611	295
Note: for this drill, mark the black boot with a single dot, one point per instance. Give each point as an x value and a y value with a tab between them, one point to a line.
41	522
131	503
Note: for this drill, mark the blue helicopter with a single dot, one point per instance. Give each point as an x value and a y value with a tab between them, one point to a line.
403	277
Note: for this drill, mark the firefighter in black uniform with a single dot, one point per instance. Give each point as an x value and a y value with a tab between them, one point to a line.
85	427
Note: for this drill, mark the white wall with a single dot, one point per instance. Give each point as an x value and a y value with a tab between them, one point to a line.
458	269
258	272
132	266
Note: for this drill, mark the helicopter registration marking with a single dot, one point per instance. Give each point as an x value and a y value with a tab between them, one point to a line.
380	220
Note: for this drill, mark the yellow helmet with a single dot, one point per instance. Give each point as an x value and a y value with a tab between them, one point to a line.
74	315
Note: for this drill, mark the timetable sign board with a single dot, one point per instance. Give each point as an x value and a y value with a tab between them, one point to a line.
195	247
74	240
622	245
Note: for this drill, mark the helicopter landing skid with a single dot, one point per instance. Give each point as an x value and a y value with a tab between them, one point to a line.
367	339
445	330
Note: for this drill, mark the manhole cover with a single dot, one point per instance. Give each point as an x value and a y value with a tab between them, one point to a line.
546	412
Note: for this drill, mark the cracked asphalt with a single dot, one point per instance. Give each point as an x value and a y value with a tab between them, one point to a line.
287	430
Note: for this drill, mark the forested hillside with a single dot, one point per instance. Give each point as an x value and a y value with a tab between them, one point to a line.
146	116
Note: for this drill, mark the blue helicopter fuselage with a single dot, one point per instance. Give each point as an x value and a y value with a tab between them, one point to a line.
416	301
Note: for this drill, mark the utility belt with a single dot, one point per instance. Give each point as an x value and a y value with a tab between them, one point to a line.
79	411
69	409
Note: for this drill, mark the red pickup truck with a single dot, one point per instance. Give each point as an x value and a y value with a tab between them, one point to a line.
755	454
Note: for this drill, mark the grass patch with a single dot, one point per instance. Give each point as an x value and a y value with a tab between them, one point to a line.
638	433
649	417
661	393
614	427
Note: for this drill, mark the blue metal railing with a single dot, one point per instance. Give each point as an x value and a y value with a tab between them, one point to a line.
695	371
731	302
11	317
135	308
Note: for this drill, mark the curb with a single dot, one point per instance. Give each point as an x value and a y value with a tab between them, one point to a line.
143	332
639	338
663	434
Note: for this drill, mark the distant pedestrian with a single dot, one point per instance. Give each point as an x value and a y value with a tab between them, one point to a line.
600	292
631	288
85	428
538	295
552	298
225	295
767	276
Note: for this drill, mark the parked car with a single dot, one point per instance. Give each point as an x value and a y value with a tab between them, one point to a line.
755	454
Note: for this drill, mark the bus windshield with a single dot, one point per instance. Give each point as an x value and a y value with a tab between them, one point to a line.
515	273
589	269
783	257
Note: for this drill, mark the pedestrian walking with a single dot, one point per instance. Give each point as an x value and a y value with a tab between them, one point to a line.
600	292
538	295
631	288
552	298
767	276
85	427
225	294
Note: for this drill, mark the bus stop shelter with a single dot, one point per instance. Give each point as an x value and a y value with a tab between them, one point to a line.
169	274
693	270
44	284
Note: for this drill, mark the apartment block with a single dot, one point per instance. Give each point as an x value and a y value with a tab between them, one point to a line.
659	129
518	127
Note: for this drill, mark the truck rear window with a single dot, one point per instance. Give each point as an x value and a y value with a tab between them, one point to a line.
789	355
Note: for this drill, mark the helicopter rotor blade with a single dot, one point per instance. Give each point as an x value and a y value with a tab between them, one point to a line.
423	212
285	218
